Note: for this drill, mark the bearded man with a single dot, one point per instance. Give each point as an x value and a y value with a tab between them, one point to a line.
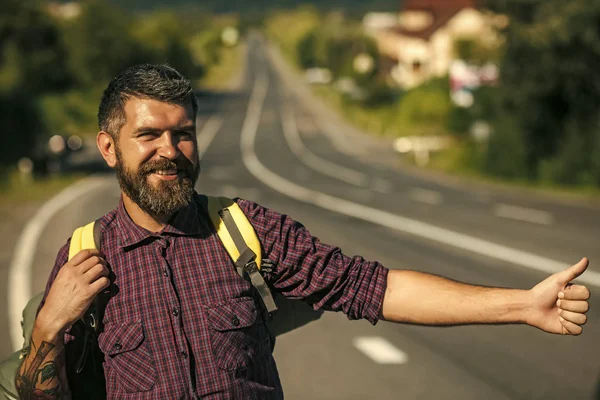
179	322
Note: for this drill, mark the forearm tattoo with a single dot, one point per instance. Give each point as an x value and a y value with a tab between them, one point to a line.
38	377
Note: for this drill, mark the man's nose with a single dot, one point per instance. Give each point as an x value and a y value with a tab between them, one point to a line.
168	146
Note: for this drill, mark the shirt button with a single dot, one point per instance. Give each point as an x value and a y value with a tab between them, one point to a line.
183	355
175	312
118	346
165	273
235	321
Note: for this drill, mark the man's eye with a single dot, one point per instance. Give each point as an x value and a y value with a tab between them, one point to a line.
185	134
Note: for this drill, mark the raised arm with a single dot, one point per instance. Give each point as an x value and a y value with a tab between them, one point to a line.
42	374
554	305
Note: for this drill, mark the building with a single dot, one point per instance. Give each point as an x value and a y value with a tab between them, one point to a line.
421	45
64	10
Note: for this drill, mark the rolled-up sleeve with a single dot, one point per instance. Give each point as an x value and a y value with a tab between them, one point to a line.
320	274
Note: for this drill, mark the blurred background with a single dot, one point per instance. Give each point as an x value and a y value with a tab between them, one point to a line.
481	118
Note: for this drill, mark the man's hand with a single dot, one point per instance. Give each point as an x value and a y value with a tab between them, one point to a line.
75	287
557	306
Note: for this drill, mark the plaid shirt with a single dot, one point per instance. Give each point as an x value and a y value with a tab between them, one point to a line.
183	324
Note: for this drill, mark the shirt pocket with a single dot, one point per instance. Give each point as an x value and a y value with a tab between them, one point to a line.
234	334
127	353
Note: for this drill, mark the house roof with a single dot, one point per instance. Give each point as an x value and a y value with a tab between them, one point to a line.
442	11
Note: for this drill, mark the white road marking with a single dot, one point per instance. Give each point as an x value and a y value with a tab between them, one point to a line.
523	214
380	350
207	133
19	274
381	185
385	219
336	140
306	126
353	177
290	132
426	196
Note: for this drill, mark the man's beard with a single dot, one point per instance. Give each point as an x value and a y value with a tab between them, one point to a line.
164	198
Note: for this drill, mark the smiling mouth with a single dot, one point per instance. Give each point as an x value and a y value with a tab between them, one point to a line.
166	172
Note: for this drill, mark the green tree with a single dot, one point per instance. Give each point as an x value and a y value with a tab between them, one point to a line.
335	46
206	48
164	40
100	43
32	53
32	63
551	84
287	28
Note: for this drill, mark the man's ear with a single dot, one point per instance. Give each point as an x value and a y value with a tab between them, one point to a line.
106	145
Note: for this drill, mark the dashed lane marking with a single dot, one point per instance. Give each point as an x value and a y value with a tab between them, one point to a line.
523	214
380	350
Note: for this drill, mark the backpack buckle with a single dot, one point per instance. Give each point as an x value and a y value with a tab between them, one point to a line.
251	267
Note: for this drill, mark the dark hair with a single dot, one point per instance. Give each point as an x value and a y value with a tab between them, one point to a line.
144	81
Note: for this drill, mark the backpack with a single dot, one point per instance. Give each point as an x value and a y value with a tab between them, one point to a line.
243	246
281	315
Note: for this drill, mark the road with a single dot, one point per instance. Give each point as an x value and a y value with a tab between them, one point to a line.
271	143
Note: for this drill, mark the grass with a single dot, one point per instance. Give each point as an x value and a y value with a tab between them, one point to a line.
454	161
369	120
16	191
221	75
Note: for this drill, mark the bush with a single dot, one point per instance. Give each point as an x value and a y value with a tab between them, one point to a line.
571	164
506	151
595	155
306	50
459	120
380	94
426	107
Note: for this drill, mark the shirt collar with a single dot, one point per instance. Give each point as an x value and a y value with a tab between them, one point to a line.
186	222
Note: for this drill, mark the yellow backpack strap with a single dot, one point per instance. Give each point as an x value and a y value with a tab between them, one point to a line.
241	242
85	237
216	207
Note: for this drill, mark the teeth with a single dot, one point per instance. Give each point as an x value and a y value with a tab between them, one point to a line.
167	172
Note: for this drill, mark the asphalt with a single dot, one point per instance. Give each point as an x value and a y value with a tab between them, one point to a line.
321	360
